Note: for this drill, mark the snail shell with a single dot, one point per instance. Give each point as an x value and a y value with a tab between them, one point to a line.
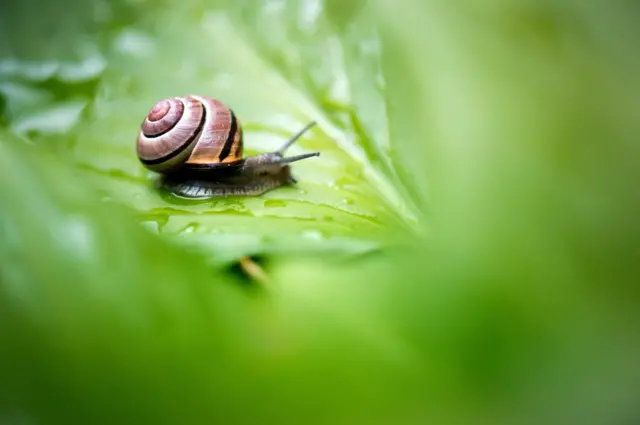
189	130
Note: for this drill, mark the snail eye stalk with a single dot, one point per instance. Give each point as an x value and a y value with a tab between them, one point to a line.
295	137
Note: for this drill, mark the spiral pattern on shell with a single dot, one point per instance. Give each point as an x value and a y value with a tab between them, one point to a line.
189	130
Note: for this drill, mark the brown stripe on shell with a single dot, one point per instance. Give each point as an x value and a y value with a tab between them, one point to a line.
163	117
237	152
174	146
217	130
231	138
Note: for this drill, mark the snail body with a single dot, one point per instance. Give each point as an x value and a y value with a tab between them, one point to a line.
196	144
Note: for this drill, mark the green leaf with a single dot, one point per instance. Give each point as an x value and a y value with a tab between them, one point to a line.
278	68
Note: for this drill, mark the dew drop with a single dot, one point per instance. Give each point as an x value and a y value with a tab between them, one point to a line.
190	228
313	234
151	225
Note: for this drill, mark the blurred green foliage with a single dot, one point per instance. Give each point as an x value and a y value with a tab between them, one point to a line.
465	250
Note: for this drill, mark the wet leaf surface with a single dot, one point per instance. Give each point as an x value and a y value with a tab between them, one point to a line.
278	68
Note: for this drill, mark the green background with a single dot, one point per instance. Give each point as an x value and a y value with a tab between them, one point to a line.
465	249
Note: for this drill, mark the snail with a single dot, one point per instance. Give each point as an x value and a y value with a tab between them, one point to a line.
196	144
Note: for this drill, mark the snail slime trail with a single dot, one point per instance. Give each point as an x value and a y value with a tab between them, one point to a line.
196	144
